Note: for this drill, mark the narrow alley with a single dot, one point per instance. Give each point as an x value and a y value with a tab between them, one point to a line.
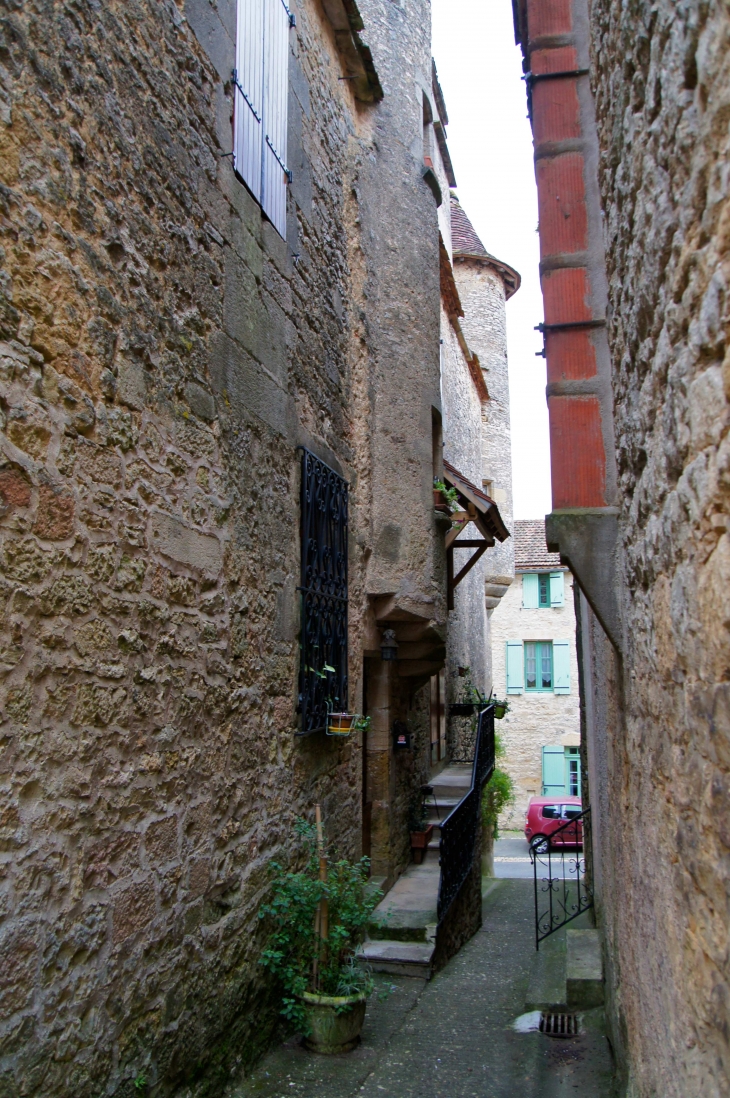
454	1036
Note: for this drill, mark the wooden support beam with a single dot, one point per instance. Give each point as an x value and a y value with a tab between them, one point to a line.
470	564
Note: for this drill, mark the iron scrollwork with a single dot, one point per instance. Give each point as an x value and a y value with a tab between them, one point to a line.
562	889
459	829
323	590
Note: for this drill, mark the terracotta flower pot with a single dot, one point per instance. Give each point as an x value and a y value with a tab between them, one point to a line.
419	843
440	503
335	1021
340	724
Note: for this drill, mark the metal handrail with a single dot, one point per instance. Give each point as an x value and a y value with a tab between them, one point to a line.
460	828
566	894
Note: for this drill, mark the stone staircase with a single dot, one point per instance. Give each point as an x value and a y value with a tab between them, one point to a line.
401	936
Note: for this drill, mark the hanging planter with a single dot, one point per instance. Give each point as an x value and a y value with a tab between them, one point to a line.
344	724
500	708
445	499
340	724
440	502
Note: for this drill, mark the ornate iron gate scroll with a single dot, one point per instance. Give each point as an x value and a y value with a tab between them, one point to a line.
323	637
562	889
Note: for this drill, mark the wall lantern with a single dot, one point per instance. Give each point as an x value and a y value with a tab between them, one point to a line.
389	645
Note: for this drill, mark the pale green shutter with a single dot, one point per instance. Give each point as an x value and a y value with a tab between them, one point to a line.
515	668
557	594
553	772
530	591
561	667
276	97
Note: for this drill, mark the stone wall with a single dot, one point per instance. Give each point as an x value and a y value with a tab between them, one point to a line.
664	185
482	293
534	720
649	122
164	352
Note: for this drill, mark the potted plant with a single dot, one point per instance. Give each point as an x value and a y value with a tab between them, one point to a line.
318	916
500	707
445	499
471	697
421	830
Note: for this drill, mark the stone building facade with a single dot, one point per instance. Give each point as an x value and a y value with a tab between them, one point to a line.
165	352
541	730
629	107
475	401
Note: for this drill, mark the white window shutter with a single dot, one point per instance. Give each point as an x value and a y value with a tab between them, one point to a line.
561	667
557	589
530	591
248	94
276	94
515	667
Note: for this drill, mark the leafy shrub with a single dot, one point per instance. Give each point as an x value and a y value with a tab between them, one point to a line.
295	953
498	792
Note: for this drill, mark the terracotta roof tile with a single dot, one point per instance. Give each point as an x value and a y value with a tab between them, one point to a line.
464	240
531	549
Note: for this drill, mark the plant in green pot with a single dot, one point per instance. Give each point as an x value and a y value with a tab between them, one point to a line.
500	707
318	917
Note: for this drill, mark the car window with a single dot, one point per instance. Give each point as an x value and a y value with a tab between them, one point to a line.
551	811
570	811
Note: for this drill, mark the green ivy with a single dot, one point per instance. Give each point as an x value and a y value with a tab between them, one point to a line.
498	792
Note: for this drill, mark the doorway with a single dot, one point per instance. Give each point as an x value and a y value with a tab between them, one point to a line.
438	717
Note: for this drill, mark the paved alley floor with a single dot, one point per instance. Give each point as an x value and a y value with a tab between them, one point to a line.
452	1037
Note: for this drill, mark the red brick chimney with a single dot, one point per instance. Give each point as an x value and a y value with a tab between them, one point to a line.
583	524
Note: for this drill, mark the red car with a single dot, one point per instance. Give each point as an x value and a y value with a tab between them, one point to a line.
546	814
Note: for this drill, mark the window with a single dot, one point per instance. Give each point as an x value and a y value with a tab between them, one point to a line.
551	812
542	589
323	590
572	771
261	89
538	665
570	811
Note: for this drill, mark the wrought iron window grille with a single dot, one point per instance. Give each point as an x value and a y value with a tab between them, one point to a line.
323	684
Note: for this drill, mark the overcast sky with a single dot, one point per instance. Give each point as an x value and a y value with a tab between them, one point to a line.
490	142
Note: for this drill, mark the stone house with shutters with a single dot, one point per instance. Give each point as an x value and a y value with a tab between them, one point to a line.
534	657
208	342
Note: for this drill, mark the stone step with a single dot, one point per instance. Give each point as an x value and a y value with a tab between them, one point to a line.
584	969
398	958
567	971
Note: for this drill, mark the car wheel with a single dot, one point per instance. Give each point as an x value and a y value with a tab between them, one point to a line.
540	844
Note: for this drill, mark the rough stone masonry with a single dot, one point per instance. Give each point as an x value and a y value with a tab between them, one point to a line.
163	353
632	147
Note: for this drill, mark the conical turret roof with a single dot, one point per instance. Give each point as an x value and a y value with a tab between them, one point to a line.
465	244
464	240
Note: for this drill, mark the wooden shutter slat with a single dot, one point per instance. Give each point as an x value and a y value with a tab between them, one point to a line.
276	88
248	94
557	589
515	667
530	591
561	666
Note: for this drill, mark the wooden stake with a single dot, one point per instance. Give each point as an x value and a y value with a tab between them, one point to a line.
323	909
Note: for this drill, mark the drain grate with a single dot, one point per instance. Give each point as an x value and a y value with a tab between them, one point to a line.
559	1025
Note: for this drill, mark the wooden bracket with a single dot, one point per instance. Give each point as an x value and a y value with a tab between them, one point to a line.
453	581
